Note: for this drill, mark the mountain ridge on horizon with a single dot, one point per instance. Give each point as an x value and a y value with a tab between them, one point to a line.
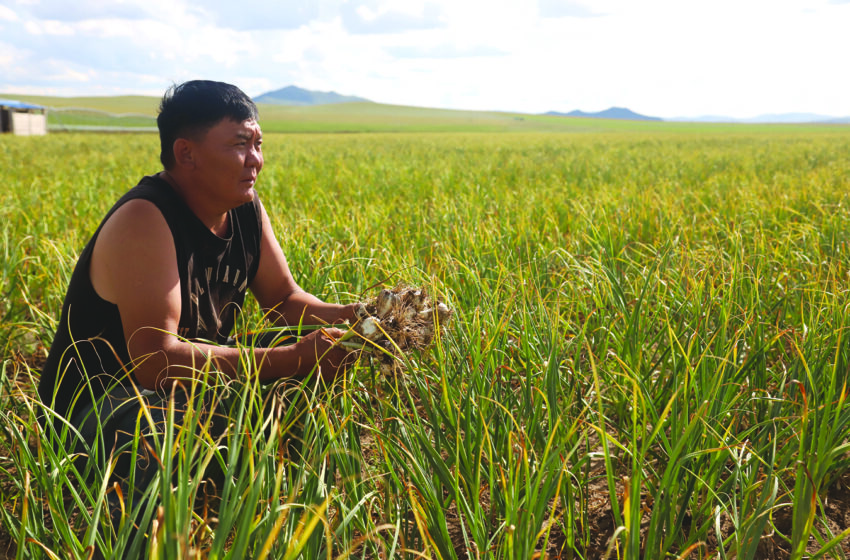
294	95
619	113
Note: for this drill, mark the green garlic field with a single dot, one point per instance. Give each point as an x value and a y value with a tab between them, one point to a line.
648	356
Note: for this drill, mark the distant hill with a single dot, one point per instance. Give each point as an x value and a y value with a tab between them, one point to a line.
294	95
138	113
789	118
783	118
620	113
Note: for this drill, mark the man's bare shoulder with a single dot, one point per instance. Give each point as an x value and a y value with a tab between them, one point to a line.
135	243
135	225
132	213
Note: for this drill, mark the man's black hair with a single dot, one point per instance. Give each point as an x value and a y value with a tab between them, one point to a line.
190	109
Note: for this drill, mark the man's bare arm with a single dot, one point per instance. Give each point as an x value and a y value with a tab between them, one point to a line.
134	265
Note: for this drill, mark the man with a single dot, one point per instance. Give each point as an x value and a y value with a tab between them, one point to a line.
157	289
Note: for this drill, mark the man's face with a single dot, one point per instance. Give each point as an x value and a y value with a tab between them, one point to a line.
227	161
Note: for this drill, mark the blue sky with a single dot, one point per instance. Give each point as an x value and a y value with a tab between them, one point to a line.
667	58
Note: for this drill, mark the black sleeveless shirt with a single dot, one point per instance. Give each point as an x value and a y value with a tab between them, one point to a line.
89	352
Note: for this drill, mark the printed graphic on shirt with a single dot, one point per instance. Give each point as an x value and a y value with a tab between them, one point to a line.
210	294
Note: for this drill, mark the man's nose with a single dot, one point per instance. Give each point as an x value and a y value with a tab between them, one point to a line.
255	158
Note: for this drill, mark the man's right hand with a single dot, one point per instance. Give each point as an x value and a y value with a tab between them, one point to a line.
319	347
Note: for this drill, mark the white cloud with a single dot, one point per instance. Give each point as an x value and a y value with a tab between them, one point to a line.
444	50
565	8
48	27
70	75
658	57
6	14
370	17
262	14
9	57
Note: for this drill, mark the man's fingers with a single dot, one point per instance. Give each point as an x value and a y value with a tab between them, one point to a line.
334	332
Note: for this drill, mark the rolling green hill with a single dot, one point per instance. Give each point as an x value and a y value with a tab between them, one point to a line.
113	104
135	112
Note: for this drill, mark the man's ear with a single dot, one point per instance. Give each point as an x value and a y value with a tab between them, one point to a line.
183	154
